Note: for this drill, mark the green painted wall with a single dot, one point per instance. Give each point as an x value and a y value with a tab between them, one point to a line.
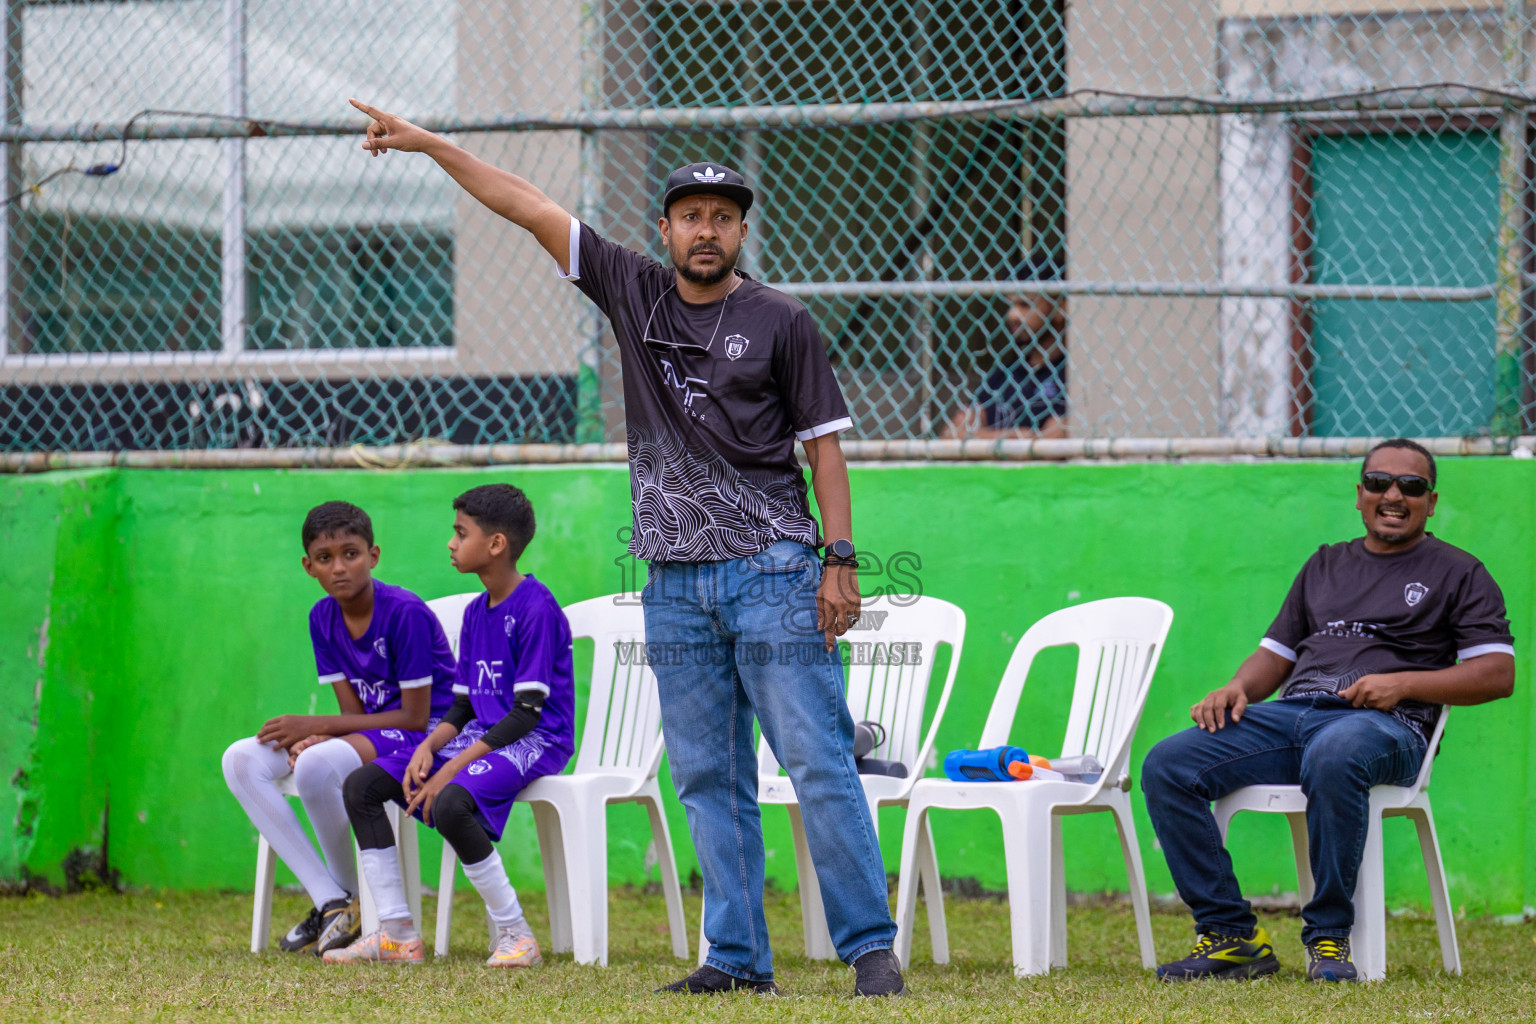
175	610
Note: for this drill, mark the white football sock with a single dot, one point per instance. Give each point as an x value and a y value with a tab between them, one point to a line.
252	771
382	868
489	877
318	775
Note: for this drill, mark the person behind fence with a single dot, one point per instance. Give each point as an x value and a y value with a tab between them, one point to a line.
383	653
513	720
1025	392
722	376
1375	635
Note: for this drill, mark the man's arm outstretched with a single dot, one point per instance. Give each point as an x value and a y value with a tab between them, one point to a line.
500	191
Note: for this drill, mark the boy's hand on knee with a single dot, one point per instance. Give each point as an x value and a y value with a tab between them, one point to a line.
418	771
1210	713
303	745
428	793
285	731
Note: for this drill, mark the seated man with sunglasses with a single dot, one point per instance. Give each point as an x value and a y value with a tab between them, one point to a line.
1375	634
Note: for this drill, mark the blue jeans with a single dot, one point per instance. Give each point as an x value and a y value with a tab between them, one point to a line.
1335	751
727	640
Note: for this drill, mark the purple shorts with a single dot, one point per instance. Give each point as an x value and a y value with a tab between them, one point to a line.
387	742
495	779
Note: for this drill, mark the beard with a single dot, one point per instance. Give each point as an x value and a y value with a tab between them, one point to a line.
705	278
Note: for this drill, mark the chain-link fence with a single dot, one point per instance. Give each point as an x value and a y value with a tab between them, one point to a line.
1111	218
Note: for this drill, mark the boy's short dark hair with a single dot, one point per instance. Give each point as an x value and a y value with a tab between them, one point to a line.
503	509
1403	442
336	517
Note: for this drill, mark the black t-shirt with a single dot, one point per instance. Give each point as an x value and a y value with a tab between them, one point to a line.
1020	395
715	397
1353	613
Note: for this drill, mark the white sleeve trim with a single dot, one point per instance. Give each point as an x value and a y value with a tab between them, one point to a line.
574	256
529	684
334	677
1479	650
460	688
825	428
1279	648
415	684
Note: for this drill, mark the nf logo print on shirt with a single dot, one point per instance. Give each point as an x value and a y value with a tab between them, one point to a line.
681	383
710	176
1413	593
735	346
489	676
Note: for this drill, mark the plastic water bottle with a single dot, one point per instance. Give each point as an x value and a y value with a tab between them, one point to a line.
1081	768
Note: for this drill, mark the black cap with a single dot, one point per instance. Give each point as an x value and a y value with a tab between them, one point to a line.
711	179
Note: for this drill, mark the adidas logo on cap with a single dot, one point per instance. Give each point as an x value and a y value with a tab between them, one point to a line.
709	176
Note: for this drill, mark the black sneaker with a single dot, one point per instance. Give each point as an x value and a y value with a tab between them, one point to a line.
304	937
879	974
707	981
341	924
1328	960
1224	956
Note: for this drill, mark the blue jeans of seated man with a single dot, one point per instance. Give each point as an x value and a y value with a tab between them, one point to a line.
727	640
1333	750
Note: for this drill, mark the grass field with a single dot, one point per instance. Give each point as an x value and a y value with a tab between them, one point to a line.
179	957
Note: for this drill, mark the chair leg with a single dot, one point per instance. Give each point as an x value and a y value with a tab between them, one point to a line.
1368	940
703	941
1058	897
1029	893
1439	893
1136	881
1299	838
666	862
407	839
445	880
261	906
556	885
906	884
813	915
933	892
586	871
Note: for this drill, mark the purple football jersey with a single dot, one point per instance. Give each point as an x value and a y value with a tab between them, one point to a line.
522	645
404	648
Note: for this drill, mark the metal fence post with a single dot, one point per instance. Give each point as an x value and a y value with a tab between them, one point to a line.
232	241
11	338
1510	317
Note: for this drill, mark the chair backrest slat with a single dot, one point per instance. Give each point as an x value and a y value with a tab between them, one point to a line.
890	667
1119	641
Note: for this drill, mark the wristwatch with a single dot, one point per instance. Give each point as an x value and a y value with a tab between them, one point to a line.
839	552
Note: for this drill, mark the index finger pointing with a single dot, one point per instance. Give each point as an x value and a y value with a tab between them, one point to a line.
365	108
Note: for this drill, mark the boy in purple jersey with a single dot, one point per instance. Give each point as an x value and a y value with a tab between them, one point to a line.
513	720
384	654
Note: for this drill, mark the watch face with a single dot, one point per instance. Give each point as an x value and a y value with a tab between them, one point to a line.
841	548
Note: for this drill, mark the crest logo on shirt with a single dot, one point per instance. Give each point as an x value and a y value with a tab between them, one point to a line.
509	623
380	648
710	176
1413	593
736	346
478	768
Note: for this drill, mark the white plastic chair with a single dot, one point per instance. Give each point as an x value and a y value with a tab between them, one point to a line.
894	696
1119	642
1368	939
620	754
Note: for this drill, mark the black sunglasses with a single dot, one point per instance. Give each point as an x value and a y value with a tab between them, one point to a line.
1380	483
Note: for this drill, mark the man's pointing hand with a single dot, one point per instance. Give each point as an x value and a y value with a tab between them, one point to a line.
389	131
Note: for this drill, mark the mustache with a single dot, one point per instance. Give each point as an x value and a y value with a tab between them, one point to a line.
709	247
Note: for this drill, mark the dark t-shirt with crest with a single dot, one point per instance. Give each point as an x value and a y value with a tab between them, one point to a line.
1352	613
715	397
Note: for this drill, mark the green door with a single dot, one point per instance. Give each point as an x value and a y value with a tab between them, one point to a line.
1404	210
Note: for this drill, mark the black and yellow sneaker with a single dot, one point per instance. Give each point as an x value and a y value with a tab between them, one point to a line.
304	936
1224	956
341	924
1328	960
